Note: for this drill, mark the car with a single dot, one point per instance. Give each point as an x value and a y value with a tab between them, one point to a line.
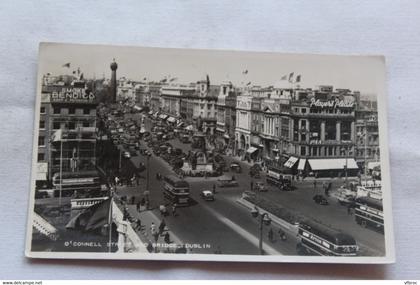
126	154
320	199
259	186
133	152
227	182
207	195
235	167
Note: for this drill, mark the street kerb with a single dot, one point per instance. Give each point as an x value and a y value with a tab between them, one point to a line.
280	222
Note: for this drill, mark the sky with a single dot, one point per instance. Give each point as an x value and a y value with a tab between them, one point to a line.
362	73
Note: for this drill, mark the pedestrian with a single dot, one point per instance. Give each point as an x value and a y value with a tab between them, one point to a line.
173	210
117	180
152	228
162	226
349	210
214	189
138	206
314	183
138	224
252	185
137	180
167	238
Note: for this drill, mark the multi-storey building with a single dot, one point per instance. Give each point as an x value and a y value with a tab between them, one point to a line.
367	133
67	137
171	98
223	115
323	124
154	94
125	90
200	105
243	124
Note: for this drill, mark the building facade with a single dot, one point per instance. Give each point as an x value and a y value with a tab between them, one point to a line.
67	138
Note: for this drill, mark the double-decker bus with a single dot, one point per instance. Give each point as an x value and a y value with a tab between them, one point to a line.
277	177
84	183
176	191
369	213
318	239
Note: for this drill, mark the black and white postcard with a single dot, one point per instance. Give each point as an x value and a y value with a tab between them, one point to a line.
182	154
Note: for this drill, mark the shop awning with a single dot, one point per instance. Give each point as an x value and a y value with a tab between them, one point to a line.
301	165
163	116
226	136
291	162
220	130
180	124
138	108
251	149
171	119
189	128
371	165
332	163
151	113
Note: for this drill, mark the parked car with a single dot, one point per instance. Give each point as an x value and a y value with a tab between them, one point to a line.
227	182
126	154
207	195
320	199
235	167
259	186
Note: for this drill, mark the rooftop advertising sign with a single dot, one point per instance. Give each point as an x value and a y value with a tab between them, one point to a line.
73	95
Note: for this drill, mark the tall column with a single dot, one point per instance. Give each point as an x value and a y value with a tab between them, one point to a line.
338	131
322	130
113	66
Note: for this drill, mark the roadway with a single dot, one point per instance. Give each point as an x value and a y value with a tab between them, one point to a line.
227	226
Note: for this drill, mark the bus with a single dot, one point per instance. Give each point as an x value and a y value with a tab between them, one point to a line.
277	177
83	183
176	191
318	239
369	213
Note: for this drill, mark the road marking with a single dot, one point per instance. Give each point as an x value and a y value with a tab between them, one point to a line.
242	232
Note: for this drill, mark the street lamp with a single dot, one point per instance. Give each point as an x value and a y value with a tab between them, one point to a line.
148	155
264	220
346	153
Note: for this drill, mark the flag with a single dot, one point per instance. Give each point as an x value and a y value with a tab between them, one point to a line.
208	81
67	65
163	80
81	76
245	71
298	78
249	83
92	218
291	76
144	79
173	79
284	77
57	135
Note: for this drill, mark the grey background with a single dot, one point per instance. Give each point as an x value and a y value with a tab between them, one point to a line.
391	28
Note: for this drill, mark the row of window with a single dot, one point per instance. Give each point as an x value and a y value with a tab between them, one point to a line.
69	125
67	111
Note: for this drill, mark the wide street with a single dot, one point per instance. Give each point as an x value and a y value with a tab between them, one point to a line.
225	225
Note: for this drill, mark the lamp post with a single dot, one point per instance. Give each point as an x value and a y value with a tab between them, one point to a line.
148	155
346	153
264	219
